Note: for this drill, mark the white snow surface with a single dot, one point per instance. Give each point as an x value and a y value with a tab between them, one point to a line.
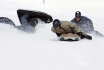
42	50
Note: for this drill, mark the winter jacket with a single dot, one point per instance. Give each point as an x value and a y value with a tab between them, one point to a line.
67	27
85	24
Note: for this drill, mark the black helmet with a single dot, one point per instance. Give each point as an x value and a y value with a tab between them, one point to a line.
33	22
56	23
77	14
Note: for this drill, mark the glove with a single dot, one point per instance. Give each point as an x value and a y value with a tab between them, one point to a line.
58	34
81	35
89	37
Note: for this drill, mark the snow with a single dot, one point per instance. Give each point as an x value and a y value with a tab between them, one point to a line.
41	50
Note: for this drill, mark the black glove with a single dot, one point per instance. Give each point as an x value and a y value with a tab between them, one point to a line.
58	34
81	35
89	37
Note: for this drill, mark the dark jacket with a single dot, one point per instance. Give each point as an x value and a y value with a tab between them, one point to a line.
85	24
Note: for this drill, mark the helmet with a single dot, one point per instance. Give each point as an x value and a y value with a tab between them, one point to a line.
33	21
56	23
78	14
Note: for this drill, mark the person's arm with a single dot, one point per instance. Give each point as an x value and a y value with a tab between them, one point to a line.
81	33
58	34
75	28
53	30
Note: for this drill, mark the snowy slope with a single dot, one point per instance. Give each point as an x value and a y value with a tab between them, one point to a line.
41	50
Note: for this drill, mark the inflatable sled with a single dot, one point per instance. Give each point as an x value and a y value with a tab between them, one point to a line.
34	14
69	37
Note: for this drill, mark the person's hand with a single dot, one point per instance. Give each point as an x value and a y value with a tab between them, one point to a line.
81	35
89	37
